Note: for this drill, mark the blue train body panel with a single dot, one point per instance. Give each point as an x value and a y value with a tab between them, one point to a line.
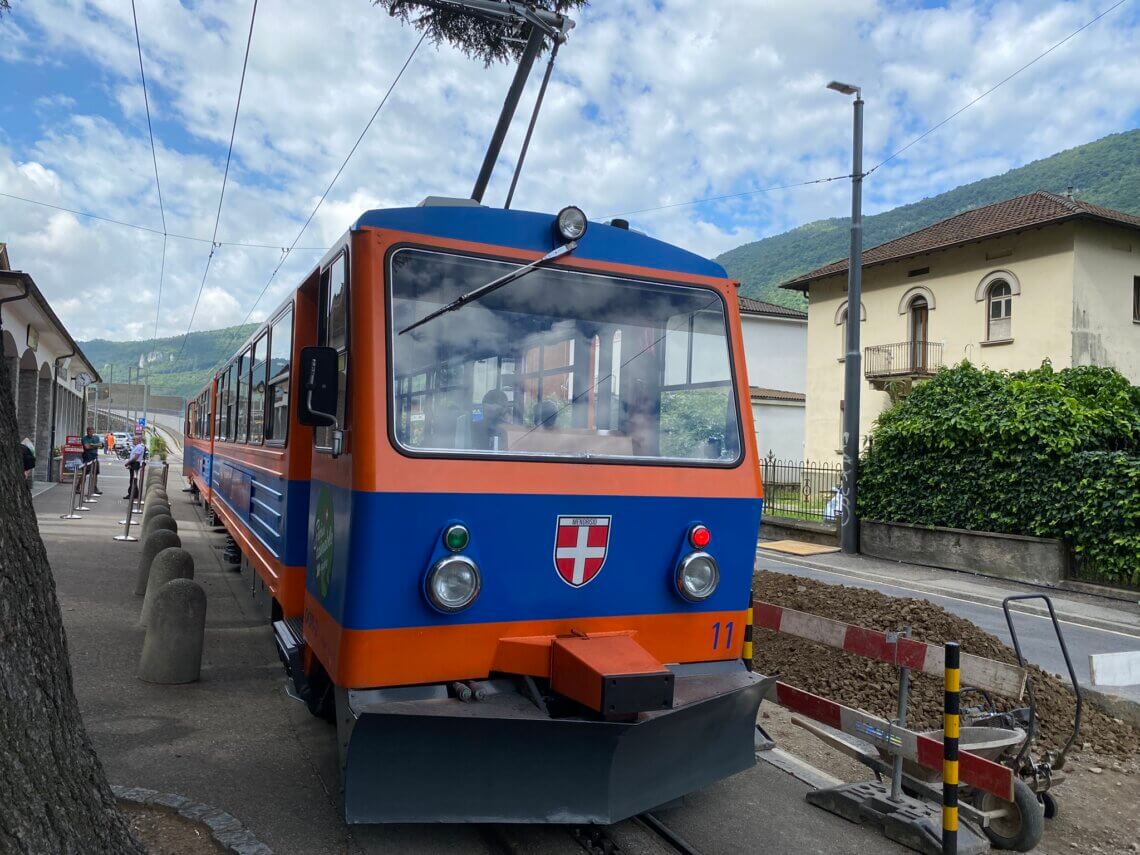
272	508
530	231
512	541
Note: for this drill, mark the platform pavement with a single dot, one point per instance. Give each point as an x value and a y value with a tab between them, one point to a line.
237	741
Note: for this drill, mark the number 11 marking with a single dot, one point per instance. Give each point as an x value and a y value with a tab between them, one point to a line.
727	635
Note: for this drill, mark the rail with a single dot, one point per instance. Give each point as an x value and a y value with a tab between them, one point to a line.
902	359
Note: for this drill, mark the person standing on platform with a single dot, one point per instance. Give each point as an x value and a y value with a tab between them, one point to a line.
134	463
91	455
110	441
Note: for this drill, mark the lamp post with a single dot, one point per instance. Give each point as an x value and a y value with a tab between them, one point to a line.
852	365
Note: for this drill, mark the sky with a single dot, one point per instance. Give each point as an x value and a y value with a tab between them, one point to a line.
652	103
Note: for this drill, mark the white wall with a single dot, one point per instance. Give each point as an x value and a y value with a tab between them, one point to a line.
779	429
775	350
1104	332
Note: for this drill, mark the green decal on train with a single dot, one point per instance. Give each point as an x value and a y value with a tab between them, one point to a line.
323	541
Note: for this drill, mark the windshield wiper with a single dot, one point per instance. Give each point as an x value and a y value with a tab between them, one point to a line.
494	285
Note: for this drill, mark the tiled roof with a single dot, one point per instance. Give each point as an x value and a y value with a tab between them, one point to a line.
1013	215
775	394
748	306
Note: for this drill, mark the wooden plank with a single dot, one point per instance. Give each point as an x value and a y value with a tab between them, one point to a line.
1115	669
1001	678
796	547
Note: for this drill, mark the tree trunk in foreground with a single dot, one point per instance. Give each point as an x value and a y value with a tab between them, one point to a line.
54	796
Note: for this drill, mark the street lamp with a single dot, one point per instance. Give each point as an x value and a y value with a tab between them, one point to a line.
852	366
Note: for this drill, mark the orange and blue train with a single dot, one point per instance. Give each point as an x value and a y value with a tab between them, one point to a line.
495	474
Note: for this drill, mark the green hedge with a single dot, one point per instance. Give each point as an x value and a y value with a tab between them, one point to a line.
1043	452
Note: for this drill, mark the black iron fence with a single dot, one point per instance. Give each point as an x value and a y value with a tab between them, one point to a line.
902	359
801	490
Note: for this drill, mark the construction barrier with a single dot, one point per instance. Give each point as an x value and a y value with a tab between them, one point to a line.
988	674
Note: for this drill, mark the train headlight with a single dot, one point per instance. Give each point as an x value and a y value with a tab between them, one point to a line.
697	576
453	583
571	223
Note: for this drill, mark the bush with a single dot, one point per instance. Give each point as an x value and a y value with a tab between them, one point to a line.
1043	452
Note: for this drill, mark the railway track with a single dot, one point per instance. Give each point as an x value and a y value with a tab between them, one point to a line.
643	835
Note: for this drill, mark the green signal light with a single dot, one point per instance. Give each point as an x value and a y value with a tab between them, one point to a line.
456	538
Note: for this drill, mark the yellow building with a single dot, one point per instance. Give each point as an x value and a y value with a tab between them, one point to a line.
1004	286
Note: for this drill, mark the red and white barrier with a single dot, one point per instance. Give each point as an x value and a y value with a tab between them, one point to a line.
998	677
978	772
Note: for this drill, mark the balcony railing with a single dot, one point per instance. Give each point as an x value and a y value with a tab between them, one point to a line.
904	359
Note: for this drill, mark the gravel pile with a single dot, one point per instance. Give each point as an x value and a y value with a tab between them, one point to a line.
872	686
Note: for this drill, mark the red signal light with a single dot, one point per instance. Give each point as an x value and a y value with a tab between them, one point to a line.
699	536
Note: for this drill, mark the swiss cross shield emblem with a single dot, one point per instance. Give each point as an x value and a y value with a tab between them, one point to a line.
580	545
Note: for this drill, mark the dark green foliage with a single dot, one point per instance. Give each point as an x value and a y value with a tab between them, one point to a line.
168	372
1105	172
1043	452
488	38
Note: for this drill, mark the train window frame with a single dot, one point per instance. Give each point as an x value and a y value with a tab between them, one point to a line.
221	422
260	345
282	378
436	454
322	436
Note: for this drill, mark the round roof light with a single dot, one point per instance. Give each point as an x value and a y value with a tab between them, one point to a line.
571	223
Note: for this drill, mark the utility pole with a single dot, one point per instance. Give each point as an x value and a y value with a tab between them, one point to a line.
852	366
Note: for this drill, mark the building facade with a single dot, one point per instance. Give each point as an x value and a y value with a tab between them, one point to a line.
1005	286
47	370
775	350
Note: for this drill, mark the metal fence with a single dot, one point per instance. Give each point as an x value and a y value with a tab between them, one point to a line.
800	490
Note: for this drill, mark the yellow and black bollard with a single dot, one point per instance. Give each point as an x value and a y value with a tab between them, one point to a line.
747	654
950	730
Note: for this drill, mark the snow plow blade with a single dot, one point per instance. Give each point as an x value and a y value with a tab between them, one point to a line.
502	759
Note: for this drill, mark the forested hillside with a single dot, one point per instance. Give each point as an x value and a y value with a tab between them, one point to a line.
1105	172
171	369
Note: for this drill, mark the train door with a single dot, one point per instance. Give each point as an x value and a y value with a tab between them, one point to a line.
330	496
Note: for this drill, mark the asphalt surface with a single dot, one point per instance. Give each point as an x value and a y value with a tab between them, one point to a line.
238	741
1036	634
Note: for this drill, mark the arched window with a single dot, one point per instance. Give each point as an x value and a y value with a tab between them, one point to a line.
843	333
999	307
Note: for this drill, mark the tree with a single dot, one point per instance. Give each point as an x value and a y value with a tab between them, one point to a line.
54	796
488	38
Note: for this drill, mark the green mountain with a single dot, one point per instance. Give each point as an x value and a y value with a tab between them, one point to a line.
171	368
1105	172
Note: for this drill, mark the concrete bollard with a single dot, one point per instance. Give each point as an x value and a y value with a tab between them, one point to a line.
157	521
153	508
172	649
172	563
152	544
157	494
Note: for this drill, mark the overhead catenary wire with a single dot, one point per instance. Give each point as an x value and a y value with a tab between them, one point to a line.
225	178
158	188
996	86
151	230
285	252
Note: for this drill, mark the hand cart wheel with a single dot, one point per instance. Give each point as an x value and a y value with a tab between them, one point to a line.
1023	823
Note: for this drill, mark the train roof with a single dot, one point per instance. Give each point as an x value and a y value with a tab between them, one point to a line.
533	231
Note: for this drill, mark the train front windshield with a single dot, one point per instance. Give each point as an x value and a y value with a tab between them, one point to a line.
558	364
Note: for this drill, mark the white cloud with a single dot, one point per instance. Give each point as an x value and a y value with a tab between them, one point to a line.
651	104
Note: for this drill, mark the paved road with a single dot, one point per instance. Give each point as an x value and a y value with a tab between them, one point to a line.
1038	641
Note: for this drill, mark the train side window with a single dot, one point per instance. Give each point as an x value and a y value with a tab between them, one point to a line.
280	354
242	404
257	391
334	333
221	423
231	401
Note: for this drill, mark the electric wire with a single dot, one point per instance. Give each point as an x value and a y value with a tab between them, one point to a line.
996	86
225	177
142	228
158	188
285	252
730	196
